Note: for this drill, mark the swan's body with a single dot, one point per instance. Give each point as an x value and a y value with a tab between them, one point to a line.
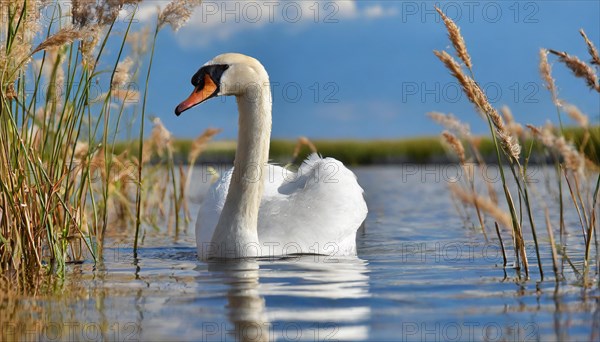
316	210
257	209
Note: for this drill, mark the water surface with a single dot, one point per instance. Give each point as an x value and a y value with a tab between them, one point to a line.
420	274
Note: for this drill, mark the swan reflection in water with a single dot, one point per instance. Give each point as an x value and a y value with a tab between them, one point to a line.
327	291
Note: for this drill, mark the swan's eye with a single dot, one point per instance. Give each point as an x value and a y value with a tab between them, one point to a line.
214	71
198	78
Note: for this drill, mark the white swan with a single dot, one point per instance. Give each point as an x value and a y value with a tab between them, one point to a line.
257	209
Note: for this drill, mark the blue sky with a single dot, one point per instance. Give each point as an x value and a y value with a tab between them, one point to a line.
365	69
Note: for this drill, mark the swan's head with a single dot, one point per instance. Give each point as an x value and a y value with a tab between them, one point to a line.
227	74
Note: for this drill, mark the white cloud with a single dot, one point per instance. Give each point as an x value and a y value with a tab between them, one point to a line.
378	11
221	20
147	10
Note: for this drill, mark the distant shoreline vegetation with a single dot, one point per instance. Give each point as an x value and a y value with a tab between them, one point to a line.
421	150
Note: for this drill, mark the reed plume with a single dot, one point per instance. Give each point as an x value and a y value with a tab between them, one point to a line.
482	105
82	12
139	41
122	72
469	86
88	45
451	123
574	161
303	141
512	126
198	146
20	24
200	143
546	73
577	116
159	141
484	204
102	12
65	36
579	68
456	146
534	130
177	13
591	49
128	96
457	40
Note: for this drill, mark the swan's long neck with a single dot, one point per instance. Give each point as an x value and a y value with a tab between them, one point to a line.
239	218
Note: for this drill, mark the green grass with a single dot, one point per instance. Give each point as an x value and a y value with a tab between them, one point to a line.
358	152
351	152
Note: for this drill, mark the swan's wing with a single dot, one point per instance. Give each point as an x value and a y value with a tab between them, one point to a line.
317	210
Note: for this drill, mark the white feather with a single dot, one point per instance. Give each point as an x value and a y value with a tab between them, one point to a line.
316	210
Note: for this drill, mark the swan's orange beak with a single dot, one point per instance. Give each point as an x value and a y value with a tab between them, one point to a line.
201	93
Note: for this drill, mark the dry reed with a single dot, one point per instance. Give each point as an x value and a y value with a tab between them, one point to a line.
198	146
139	41
65	36
303	141
479	99
200	143
574	161
591	49
508	134
177	13
450	122
469	86
457	40
552	244
128	96
122	73
159	141
60	176
504	260
485	204
512	126
579	68
456	146
88	45
546	73
576	115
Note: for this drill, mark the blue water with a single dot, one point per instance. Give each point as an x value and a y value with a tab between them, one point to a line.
420	274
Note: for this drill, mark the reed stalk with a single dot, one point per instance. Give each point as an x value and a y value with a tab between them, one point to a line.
504	260
495	123
552	244
138	197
